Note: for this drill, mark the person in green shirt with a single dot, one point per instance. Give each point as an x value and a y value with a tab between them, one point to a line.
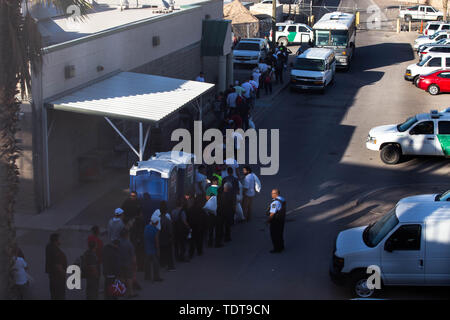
213	188
217	174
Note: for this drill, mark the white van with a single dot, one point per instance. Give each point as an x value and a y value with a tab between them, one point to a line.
410	245
432	62
313	69
431	39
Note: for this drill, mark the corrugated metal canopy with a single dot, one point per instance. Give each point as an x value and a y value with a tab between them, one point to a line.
134	96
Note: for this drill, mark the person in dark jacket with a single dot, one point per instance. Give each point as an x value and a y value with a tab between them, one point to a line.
166	238
92	264
137	239
181	229
147	207
197	219
226	208
56	266
111	265
131	207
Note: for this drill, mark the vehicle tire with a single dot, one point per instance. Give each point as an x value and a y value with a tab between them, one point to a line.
433	90
358	286
284	41
408	18
416	81
390	154
439	19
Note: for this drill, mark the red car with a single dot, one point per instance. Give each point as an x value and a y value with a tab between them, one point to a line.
436	82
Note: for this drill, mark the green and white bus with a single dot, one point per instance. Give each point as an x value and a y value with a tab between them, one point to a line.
337	31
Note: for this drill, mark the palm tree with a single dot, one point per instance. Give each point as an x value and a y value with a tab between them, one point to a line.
20	54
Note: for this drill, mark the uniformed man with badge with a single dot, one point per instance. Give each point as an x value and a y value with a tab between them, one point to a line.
277	215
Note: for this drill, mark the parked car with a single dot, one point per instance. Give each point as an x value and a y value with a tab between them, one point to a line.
421	13
410	245
430	63
436	82
424	134
314	69
435	49
425	46
431	39
250	51
445	196
435	26
290	33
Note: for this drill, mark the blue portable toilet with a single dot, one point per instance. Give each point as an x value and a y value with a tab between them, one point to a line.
158	178
185	169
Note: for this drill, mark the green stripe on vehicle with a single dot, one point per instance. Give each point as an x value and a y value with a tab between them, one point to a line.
444	140
291	36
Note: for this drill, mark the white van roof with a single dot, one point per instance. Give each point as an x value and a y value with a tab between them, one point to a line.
316	53
417	212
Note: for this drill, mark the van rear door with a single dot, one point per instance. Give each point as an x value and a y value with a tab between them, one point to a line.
437	256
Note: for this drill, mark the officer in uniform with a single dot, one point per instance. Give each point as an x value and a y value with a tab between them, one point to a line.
277	215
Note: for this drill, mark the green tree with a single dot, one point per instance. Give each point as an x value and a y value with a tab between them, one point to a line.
20	54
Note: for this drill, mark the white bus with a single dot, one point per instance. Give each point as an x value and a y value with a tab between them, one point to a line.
337	31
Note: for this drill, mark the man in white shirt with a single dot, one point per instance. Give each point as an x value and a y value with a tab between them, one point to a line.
248	89
263	67
200	77
200	181
231	99
20	277
249	192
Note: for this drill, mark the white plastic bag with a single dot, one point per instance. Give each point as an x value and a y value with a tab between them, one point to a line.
258	185
239	216
211	205
239	197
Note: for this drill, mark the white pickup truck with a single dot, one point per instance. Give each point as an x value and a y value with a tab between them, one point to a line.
421	13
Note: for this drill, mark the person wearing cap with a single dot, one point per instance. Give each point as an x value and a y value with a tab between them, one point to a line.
151	238
115	225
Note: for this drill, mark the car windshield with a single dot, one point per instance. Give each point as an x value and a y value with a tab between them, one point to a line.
309	64
444	196
423	61
247	46
336	38
434	35
407	124
376	232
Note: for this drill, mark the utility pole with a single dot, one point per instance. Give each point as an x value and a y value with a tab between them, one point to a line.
274	22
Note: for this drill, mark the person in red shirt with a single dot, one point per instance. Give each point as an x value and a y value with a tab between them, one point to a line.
236	119
95	237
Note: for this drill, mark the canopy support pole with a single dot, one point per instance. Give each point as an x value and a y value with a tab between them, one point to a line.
122	136
141	142
146	139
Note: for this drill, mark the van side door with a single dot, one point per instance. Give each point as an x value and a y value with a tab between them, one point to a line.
402	255
437	257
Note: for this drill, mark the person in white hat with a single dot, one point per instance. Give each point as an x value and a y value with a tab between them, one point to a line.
115	225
